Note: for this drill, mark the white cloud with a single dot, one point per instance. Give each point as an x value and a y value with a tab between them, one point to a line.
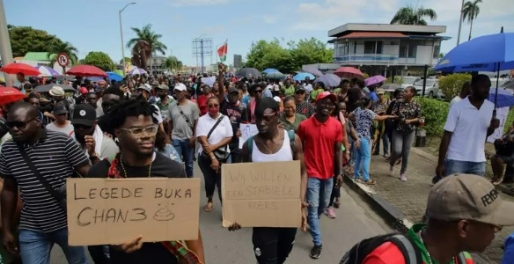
198	2
269	19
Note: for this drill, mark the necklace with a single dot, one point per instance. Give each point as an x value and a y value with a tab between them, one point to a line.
125	175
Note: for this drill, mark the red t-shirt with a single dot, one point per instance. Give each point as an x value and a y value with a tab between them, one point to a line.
202	103
319	141
386	253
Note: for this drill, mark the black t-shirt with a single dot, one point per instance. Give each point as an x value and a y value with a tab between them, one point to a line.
154	253
236	115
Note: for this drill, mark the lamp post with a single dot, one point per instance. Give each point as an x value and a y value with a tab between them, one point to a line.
5	44
121	36
460	22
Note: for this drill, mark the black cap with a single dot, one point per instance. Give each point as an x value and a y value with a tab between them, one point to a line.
60	109
233	90
84	114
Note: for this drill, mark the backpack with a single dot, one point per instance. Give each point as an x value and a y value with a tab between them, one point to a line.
411	255
290	133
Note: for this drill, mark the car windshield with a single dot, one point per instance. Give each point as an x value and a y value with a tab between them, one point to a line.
430	83
409	79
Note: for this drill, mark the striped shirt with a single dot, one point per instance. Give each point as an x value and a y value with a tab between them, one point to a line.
55	156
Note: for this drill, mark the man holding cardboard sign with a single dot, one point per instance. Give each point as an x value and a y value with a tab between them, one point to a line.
283	210
136	131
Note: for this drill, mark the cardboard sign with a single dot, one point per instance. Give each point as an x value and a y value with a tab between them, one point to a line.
247	130
265	194
114	211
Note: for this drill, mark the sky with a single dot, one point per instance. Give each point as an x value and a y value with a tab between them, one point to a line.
93	25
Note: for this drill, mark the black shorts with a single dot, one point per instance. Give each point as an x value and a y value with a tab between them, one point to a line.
272	245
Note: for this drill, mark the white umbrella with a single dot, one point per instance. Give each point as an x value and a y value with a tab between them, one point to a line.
137	71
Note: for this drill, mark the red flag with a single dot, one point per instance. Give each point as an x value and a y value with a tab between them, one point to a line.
222	52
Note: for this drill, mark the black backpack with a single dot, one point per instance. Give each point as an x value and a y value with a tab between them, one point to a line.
411	254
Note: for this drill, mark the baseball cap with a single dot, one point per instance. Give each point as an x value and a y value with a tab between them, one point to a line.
155	83
145	87
163	87
83	90
300	89
325	94
469	197
84	114
380	91
180	87
60	109
233	91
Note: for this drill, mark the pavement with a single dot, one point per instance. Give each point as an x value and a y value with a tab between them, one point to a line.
355	221
403	203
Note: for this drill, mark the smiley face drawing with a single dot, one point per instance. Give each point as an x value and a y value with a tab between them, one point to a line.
164	213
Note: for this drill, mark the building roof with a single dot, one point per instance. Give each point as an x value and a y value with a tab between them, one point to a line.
38	56
417	29
353	35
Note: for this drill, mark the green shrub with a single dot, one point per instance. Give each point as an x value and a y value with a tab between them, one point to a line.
435	112
397	80
450	85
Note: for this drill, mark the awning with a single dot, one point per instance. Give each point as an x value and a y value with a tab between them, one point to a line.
355	35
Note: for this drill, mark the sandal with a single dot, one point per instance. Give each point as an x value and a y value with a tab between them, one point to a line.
369	182
399	161
208	207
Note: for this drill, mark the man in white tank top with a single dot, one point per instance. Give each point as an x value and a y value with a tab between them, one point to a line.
273	143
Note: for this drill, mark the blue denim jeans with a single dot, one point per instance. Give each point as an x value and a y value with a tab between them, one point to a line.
315	187
363	157
457	166
35	247
187	153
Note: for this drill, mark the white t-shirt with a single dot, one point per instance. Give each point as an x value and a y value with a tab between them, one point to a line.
455	100
67	129
469	127
223	130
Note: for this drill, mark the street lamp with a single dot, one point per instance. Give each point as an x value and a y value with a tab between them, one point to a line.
460	21
121	35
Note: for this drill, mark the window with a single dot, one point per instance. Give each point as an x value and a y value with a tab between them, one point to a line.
404	46
437	50
413	47
369	47
373	47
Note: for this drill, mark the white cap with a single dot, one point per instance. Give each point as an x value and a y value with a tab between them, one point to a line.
180	87
277	99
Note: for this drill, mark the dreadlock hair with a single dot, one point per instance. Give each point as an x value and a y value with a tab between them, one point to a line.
130	108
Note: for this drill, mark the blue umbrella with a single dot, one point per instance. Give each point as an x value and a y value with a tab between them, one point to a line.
504	97
301	76
114	76
270	70
329	79
486	53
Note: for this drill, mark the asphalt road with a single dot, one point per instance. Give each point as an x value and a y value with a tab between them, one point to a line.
355	221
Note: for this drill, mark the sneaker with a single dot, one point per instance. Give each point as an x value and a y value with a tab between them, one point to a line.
403	177
315	252
391	171
330	213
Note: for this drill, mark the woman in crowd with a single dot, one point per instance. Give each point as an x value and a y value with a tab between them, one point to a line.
364	118
391	123
289	118
214	132
407	112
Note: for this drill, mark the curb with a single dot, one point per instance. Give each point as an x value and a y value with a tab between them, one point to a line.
394	217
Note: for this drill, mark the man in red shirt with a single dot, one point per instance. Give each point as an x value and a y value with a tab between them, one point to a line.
321	136
202	99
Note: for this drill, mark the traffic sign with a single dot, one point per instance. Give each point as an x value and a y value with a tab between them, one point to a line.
63	59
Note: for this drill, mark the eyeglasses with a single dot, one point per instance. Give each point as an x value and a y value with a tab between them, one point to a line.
213	106
258	91
150	130
18	124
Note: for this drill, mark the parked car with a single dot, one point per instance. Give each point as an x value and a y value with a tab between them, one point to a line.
431	88
409	81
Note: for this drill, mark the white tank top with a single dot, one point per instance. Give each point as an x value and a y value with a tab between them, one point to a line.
283	154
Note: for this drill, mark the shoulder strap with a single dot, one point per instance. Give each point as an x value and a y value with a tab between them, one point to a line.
292	141
249	144
406	246
40	178
215	125
461	258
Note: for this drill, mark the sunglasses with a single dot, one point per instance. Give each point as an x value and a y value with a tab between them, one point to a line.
258	91
299	92
81	127
18	124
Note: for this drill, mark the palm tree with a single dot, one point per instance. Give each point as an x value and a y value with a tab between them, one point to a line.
173	64
470	12
407	15
57	47
149	36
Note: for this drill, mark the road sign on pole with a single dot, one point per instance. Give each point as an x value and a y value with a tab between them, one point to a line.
63	59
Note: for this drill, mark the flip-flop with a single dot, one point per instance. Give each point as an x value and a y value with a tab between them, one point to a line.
208	207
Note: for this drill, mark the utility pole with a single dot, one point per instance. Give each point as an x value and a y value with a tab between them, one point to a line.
460	22
121	36
5	44
201	56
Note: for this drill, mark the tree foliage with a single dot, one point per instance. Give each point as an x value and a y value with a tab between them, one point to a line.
173	63
100	60
470	12
147	34
28	39
409	15
451	85
435	112
264	54
127	59
62	47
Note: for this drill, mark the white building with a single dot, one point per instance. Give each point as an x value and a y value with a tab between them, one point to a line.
386	47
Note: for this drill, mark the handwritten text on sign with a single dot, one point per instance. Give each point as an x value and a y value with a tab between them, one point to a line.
263	194
113	211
